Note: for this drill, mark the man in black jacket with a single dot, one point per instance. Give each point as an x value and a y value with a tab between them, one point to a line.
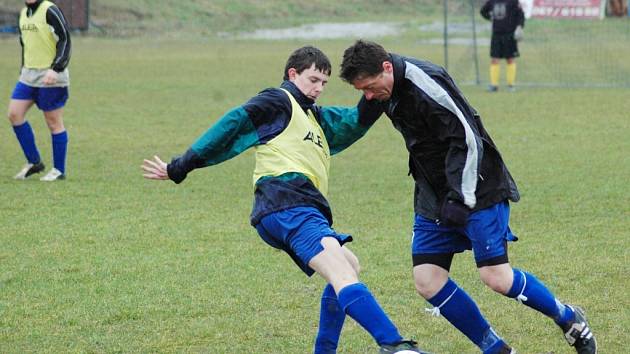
508	21
462	193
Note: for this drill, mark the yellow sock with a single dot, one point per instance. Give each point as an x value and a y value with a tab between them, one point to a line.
510	74
495	72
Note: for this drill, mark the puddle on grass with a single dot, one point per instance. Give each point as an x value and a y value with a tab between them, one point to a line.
327	31
459	33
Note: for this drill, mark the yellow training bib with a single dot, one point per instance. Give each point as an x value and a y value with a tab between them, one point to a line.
301	147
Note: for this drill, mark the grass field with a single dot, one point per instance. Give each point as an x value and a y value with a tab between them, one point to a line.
203	17
107	262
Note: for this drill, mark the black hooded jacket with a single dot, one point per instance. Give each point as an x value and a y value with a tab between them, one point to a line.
451	156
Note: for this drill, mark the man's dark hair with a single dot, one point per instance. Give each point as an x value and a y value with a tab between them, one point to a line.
303	58
362	59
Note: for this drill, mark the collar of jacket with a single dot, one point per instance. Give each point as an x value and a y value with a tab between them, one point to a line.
302	100
399	74
33	7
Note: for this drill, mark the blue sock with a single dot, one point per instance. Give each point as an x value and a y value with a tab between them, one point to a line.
26	138
533	293
462	312
331	319
60	146
358	303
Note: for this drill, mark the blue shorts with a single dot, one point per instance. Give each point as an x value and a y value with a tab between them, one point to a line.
486	233
46	98
298	231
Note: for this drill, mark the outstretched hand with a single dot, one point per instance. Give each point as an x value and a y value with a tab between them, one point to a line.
154	169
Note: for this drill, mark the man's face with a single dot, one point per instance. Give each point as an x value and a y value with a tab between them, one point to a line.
378	87
30	1
310	81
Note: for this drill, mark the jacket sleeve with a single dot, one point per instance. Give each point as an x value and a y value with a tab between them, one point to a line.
463	159
453	121
343	126
19	27
259	120
232	134
57	21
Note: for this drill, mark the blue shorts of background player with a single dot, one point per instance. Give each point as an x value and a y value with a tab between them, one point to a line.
46	98
51	101
486	233
299	232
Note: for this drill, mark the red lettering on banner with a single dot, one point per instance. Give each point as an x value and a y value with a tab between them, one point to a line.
586	9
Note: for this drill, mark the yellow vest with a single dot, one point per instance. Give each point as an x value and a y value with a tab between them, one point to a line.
40	46
301	147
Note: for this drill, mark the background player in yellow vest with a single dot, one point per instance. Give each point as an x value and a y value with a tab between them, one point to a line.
294	139
43	81
508	21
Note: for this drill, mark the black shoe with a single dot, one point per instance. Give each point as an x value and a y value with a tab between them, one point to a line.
493	88
578	333
506	349
404	346
30	169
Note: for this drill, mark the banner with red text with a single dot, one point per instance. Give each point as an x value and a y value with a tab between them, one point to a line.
586	9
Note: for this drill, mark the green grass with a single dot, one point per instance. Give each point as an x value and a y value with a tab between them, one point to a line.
107	262
209	17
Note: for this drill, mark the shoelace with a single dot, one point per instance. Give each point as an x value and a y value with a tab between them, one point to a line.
520	297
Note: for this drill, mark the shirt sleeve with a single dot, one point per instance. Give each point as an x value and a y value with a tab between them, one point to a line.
19	27
55	18
453	123
343	126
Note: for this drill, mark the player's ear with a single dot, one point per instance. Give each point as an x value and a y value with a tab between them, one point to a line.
388	67
291	73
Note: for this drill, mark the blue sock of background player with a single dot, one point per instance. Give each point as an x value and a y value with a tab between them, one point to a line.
26	138
60	148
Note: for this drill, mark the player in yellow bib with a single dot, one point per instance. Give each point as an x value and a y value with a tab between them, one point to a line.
43	81
294	139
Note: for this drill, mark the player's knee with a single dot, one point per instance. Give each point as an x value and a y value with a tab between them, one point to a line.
14	117
353	260
497	281
427	286
55	124
423	289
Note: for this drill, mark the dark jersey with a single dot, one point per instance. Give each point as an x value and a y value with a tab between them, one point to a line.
504	14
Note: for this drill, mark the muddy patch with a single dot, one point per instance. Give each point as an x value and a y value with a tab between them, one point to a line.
327	31
459	33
